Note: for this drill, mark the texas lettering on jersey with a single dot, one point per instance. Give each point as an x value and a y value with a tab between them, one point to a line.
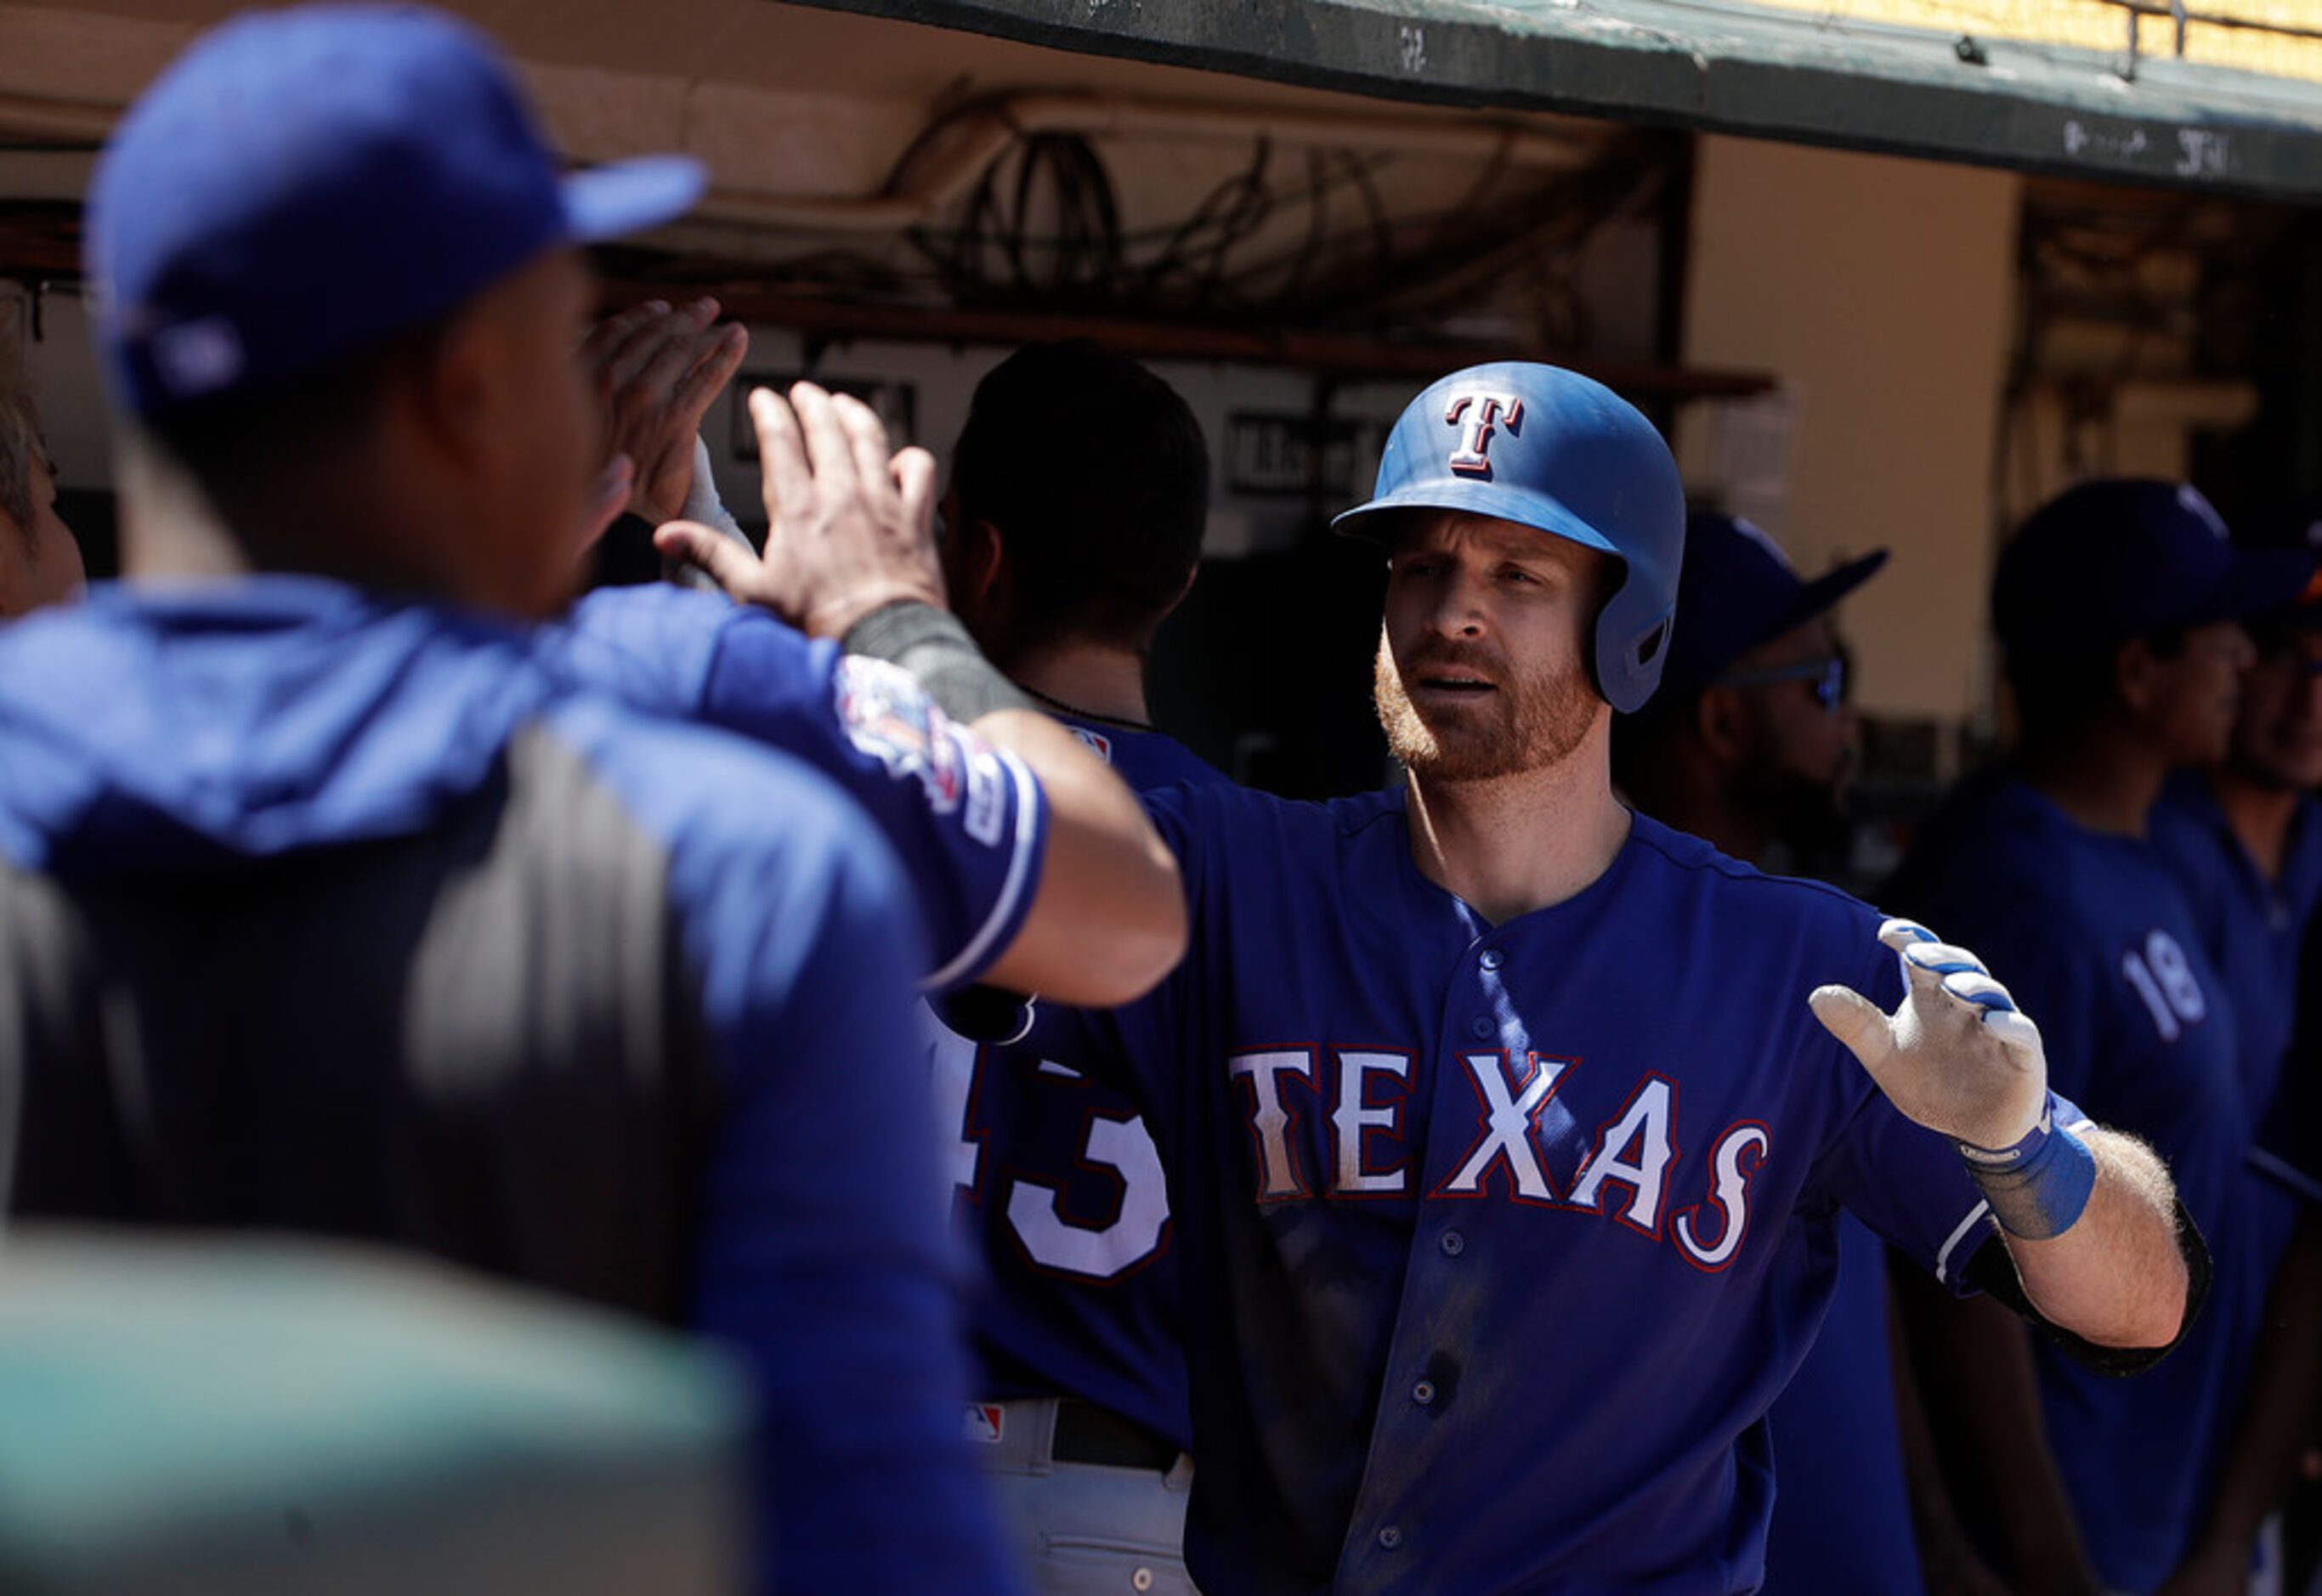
1444	1189
1329	1122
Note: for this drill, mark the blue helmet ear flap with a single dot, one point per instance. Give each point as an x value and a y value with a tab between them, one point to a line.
1630	655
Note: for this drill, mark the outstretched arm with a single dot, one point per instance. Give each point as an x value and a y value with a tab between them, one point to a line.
2116	1277
850	554
2089	1215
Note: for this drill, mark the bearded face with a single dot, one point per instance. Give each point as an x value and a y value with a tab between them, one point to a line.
1479	673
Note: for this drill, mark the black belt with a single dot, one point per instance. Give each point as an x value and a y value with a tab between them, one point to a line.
1086	1433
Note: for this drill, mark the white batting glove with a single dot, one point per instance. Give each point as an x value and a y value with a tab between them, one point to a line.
1956	1056
701	501
703	504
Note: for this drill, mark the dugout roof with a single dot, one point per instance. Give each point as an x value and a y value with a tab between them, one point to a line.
2216	95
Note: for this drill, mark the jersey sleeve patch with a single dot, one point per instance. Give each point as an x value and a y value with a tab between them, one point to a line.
887	716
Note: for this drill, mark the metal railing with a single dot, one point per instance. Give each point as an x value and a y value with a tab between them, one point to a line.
2184	18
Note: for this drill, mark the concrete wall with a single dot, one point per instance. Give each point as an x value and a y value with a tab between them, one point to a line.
1881	292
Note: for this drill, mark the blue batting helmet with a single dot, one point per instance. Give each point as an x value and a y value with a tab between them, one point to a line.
1547	448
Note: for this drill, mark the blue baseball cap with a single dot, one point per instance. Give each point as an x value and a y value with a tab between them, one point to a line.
302	184
1739	590
2294	525
2121	558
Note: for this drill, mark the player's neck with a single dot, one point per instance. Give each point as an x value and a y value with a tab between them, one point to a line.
1516	844
2106	779
2261	814
1096	679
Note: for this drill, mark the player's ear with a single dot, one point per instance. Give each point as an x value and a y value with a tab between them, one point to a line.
2135	674
977	576
1718	722
451	386
1192	576
982	565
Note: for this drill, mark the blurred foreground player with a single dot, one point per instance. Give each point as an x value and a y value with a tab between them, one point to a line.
324	907
1505	1143
2119	608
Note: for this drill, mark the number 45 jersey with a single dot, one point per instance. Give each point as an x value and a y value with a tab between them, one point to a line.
1498	1240
2096	942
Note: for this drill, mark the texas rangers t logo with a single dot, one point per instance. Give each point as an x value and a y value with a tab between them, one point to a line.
1475	416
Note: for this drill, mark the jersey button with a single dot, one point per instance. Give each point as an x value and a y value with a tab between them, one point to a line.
1454	1244
1423	1392
1390	1535
1480	1026
1490	958
1142	1579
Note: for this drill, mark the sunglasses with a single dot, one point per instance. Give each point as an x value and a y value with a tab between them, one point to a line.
1828	675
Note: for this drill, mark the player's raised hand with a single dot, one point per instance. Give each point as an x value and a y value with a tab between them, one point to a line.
656	370
1956	1055
850	526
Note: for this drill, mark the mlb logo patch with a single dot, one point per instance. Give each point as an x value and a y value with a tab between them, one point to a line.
1096	742
888	717
984	1422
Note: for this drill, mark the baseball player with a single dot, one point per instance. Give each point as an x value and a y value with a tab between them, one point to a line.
1073	526
1748	744
2281	1415
2117	607
325	907
1505	1130
2243	840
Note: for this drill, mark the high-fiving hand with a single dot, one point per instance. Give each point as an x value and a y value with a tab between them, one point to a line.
850	527
656	371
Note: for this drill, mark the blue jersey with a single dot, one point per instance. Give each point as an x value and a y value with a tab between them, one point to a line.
2253	929
2289	1148
968	819
1148	760
1061	1186
2092	936
1504	1237
251	729
1842	1516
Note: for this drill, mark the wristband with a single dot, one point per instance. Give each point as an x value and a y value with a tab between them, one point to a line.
2038	1188
934	647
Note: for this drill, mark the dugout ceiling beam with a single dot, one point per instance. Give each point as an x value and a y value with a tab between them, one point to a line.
1720	64
1347	355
